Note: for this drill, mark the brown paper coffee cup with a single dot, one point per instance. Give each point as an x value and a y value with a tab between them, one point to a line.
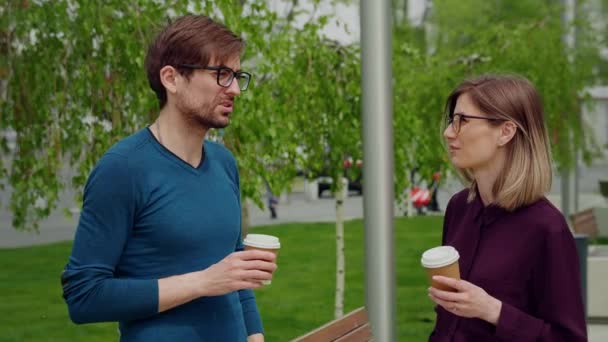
262	242
443	261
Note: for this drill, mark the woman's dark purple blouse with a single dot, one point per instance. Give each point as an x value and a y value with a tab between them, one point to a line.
525	258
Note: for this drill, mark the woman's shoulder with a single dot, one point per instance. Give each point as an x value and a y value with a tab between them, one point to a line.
459	198
543	214
457	204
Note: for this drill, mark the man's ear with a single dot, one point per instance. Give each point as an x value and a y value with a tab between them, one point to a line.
168	77
507	132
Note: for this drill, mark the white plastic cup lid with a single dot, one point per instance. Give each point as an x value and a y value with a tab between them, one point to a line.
439	257
262	241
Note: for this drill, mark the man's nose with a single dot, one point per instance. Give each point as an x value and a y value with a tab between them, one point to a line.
234	89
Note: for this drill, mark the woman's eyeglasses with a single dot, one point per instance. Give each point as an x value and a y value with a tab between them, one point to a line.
456	119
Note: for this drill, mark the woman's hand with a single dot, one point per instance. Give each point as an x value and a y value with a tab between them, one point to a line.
470	301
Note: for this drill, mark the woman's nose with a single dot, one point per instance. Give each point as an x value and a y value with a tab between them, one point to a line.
449	132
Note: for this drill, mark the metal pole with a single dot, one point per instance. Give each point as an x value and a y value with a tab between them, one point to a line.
569	40
378	167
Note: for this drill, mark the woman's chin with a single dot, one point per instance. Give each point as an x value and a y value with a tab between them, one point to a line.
456	162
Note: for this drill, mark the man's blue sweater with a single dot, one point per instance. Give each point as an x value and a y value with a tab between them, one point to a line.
147	215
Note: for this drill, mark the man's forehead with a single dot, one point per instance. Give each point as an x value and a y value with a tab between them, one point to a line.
231	62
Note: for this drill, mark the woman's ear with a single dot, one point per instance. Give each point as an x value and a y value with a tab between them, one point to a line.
168	77
507	132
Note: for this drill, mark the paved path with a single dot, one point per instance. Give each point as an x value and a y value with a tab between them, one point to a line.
293	208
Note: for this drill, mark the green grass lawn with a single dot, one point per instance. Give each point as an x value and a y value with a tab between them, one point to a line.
300	298
599	241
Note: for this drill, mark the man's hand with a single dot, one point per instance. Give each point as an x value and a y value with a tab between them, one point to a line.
469	301
255	338
237	271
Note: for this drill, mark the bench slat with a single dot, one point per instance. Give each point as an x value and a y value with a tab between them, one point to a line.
584	222
336	328
361	334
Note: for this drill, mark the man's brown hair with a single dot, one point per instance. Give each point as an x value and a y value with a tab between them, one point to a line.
191	39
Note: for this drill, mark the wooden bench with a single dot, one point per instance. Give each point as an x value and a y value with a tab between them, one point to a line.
353	327
585	222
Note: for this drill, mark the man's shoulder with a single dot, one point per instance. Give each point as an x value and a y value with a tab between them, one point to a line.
124	154
132	144
218	151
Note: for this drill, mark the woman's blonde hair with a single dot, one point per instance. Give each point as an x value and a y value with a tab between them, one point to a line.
527	174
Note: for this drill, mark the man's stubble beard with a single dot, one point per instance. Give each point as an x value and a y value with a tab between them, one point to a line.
201	117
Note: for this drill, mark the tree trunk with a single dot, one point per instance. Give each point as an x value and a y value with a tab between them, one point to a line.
340	262
409	209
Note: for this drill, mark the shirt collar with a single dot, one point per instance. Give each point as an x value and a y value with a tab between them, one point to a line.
486	214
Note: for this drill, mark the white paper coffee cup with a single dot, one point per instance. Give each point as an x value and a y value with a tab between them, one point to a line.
263	242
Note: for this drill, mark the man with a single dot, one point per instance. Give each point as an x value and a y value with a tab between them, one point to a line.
158	246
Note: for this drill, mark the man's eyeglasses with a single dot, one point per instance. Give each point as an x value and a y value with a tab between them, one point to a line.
225	75
456	119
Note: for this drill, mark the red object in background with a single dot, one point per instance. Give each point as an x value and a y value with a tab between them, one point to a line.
420	197
348	163
436	176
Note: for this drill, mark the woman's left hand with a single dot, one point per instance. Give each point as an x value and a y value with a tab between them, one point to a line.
470	301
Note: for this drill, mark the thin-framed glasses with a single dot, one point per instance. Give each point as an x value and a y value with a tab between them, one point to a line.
456	119
225	75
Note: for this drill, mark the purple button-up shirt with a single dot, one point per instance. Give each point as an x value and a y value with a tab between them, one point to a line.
527	259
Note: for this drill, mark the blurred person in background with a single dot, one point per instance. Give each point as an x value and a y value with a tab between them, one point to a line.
433	206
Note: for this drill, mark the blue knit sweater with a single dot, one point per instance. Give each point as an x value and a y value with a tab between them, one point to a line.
147	215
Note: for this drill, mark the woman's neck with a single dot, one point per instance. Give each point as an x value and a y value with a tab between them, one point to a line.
486	178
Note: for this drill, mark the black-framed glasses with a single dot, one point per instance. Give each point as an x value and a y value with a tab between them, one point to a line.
225	75
456	119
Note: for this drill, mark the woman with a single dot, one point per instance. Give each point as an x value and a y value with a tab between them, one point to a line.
518	260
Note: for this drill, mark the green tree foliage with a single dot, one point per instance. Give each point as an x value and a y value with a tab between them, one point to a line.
75	85
473	37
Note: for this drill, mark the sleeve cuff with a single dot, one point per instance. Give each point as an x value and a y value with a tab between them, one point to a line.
515	325
253	323
251	315
150	286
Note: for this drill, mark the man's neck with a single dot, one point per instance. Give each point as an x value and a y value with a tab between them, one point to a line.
179	136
